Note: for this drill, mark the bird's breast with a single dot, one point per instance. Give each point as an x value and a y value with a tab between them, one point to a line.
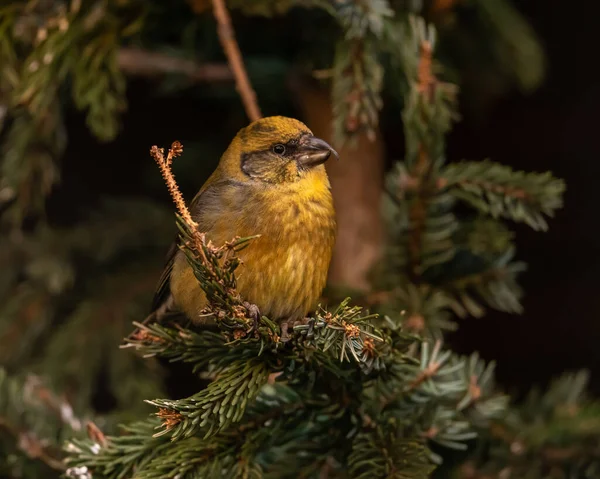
284	270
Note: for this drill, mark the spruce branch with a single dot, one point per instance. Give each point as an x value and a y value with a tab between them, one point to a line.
500	191
342	334
195	457
278	418
482	401
431	375
175	343
381	453
495	284
118	457
232	51
426	309
222	403
421	169
555	431
356	89
421	217
357	72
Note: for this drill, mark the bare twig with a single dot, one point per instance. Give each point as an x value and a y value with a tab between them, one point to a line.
136	61
232	50
165	168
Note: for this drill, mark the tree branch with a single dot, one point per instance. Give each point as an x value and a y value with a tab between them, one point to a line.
136	61
232	50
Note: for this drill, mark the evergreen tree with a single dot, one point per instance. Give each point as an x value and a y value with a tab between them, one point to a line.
358	391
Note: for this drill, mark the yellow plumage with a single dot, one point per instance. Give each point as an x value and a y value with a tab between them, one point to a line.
271	181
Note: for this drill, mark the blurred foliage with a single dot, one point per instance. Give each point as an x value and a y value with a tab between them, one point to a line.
45	49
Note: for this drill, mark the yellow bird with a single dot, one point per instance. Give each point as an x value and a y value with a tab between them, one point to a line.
271	181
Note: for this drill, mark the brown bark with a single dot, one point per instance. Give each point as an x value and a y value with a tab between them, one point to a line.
357	185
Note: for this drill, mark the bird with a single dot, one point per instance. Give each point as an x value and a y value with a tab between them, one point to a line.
271	181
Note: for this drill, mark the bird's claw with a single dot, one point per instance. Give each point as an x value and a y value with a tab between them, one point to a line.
311	327
285	336
254	313
289	324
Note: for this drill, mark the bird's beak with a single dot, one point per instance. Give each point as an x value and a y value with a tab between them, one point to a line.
313	151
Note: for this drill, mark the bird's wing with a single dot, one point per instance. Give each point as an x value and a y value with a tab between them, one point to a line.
162	290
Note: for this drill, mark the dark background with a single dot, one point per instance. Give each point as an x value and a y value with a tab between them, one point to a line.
556	128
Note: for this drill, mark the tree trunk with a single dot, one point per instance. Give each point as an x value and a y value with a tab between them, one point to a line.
357	185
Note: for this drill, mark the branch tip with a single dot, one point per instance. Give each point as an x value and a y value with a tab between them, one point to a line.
169	418
165	168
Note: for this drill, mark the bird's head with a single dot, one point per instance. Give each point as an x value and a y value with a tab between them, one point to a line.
275	150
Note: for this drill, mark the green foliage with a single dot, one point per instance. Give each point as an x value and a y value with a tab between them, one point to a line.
33	423
377	455
222	403
357	71
356	90
42	49
551	435
440	264
71	294
499	191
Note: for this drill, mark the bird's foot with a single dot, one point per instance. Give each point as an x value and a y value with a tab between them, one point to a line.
285	335
288	325
311	327
254	314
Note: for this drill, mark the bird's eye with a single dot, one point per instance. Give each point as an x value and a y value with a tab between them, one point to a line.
279	149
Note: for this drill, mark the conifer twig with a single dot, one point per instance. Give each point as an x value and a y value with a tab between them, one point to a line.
234	57
165	168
